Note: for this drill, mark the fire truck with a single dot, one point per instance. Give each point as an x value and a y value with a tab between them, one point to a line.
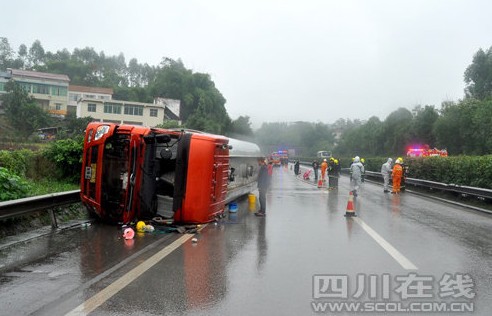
425	151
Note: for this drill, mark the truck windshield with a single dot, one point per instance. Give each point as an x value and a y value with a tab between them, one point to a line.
116	160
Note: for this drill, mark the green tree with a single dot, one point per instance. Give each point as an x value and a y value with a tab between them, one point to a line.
138	94
36	56
323	138
73	126
482	123
478	76
210	114
22	56
305	138
135	73
372	137
270	135
446	129
422	127
174	81
240	127
6	53
22	110
202	104
395	130
454	129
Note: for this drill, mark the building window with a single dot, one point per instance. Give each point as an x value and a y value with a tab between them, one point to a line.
112	108
134	110
89	96
58	106
59	91
91	107
2	86
74	96
40	89
26	87
153	112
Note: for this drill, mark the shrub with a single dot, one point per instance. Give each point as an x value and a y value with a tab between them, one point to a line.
66	154
12	186
16	161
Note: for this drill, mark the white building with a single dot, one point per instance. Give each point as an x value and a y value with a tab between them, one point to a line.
76	93
49	90
122	112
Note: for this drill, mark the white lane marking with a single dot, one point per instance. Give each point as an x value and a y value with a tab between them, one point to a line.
401	259
104	295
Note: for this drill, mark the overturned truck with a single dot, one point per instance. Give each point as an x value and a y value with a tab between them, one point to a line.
133	172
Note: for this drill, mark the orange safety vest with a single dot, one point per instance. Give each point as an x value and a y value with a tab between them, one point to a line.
324	166
397	171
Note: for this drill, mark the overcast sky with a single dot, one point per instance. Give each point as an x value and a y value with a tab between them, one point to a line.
280	61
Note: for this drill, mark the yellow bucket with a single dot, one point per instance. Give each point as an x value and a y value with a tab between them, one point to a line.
252	199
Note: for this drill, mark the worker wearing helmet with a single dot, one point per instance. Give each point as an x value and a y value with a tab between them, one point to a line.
331	173
397	174
404	175
336	174
357	170
324	166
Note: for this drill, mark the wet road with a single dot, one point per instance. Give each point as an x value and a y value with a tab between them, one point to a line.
401	251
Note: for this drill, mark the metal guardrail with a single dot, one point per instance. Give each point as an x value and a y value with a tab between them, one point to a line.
460	189
14	208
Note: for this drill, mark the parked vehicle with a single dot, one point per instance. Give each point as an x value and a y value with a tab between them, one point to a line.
323	154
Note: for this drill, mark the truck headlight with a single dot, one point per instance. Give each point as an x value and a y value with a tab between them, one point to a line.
101	130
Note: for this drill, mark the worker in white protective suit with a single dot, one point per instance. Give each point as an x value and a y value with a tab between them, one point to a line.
386	170
357	170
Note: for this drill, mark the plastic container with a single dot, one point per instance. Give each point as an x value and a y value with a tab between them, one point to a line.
252	199
233	207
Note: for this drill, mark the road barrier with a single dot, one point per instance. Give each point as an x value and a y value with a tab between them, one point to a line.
15	208
460	189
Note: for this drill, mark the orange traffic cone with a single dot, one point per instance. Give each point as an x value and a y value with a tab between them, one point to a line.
350	212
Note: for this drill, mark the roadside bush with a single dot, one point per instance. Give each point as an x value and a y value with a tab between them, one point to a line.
66	154
41	168
16	161
12	186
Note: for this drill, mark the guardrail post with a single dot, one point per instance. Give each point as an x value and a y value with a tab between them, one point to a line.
54	223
